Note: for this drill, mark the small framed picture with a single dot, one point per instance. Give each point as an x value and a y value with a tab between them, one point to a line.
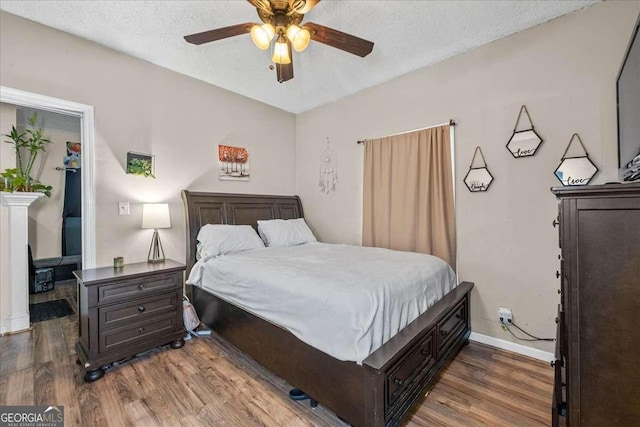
140	164
233	163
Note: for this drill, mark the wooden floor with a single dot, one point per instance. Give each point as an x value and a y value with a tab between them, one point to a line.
208	383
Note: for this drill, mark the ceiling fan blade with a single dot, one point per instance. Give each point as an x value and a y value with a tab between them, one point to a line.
220	33
304	6
284	72
339	40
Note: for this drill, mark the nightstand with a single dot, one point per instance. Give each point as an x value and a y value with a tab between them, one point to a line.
128	310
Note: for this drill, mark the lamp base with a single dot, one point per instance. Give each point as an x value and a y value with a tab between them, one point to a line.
156	253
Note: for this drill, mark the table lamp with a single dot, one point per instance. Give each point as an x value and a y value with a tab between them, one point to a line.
156	215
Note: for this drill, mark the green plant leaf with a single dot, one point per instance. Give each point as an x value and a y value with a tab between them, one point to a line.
19	179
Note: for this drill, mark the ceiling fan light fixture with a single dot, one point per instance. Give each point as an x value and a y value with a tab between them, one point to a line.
281	51
262	35
300	37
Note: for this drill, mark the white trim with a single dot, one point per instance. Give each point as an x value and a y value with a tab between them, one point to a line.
85	112
512	346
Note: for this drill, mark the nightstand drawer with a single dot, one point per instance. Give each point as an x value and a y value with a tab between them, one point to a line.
123	314
135	288
114	339
450	327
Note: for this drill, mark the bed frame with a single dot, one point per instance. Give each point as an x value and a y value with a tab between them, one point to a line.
382	390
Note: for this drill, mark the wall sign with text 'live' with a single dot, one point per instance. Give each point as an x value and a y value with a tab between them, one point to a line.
524	143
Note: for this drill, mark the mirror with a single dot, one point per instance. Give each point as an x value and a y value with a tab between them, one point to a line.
524	143
576	171
478	179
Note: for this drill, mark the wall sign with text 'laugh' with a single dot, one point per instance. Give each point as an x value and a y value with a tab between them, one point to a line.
478	178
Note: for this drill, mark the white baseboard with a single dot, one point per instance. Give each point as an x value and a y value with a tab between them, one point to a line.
512	346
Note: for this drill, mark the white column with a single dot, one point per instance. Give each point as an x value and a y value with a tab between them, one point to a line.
17	319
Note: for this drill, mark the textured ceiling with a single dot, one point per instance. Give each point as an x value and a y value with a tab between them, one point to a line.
407	34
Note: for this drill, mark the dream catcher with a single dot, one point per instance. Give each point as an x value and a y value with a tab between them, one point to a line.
328	170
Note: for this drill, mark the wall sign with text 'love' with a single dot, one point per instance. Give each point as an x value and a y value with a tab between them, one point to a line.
524	143
577	170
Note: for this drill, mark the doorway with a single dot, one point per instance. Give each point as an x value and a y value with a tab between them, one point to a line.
84	113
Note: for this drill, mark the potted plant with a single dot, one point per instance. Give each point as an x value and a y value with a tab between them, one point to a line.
31	141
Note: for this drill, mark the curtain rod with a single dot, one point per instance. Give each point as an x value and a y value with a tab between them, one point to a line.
450	123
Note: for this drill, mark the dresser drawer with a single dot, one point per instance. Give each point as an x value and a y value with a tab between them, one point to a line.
451	326
126	336
117	315
135	288
409	371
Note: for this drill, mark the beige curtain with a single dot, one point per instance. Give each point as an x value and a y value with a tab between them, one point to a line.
408	193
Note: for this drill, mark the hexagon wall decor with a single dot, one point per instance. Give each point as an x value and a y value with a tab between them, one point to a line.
478	178
575	170
524	143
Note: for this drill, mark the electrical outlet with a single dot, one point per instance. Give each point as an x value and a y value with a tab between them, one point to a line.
123	208
505	316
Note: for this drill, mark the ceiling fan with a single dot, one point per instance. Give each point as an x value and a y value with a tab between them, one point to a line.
281	21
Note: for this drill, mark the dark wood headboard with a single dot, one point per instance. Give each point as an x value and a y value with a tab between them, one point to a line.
235	209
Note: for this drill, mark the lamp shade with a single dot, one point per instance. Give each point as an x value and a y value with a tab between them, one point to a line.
156	215
281	51
262	35
299	37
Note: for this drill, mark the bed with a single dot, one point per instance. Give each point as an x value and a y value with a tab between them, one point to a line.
378	392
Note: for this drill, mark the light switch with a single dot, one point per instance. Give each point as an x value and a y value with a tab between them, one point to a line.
123	208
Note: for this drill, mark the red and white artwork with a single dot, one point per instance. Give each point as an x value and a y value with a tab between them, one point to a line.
233	163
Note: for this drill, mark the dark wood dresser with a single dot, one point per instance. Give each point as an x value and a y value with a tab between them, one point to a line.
597	366
128	310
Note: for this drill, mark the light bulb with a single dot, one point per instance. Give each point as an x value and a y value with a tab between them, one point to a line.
262	35
281	52
300	37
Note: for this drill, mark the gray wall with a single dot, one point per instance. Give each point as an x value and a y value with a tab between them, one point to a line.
564	71
143	107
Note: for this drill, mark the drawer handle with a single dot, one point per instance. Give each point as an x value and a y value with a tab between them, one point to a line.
141	331
557	274
141	308
398	381
443	332
557	320
555	223
425	352
141	286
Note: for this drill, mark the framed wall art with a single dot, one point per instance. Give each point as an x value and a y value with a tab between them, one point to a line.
233	163
140	164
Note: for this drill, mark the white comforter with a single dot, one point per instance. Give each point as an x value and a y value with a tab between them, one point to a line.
343	300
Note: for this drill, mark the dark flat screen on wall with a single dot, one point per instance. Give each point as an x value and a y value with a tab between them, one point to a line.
628	87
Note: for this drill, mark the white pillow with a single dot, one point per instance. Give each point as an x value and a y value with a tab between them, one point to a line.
289	232
216	239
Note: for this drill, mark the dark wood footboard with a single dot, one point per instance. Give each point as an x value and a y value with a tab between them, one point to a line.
382	390
399	372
